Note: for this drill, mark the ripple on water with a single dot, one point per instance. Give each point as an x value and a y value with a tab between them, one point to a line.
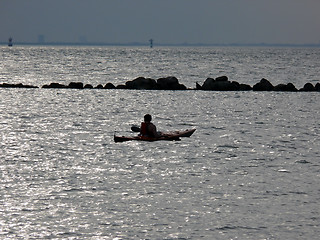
249	171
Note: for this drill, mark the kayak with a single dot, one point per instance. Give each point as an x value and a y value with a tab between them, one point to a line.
143	138
186	133
175	136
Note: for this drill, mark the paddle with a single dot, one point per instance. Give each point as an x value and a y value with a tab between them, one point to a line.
135	128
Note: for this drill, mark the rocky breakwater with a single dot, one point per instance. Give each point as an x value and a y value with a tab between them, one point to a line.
19	85
78	85
265	85
221	83
140	83
168	83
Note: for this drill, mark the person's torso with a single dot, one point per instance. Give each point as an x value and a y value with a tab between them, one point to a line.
146	129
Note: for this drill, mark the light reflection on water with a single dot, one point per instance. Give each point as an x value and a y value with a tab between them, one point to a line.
250	171
253	155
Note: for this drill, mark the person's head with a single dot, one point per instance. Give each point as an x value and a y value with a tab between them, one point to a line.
147	118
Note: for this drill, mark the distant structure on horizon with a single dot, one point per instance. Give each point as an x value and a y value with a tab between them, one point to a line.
10	44
82	39
151	43
41	39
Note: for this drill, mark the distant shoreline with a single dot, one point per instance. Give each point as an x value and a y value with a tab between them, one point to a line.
137	44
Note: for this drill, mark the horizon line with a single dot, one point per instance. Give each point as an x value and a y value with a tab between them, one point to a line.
165	44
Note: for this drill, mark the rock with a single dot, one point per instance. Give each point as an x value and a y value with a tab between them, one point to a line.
317	87
308	87
233	86
88	86
76	85
263	85
291	87
99	86
30	86
109	86
285	88
19	85
220	84
198	86
6	85
121	86
245	87
142	83
208	84
222	79
170	83
54	85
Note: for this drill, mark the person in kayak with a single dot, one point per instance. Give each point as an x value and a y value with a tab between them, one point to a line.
148	129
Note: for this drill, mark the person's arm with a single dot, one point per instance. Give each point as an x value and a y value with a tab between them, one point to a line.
153	130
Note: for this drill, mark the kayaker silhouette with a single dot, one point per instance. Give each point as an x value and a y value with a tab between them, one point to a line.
148	132
147	128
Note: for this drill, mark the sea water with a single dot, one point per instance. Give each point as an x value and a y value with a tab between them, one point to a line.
250	171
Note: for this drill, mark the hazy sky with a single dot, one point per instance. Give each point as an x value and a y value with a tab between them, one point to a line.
166	21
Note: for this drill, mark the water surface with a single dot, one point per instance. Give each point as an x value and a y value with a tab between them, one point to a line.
250	171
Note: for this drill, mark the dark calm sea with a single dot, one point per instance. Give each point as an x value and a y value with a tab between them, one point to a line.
250	171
